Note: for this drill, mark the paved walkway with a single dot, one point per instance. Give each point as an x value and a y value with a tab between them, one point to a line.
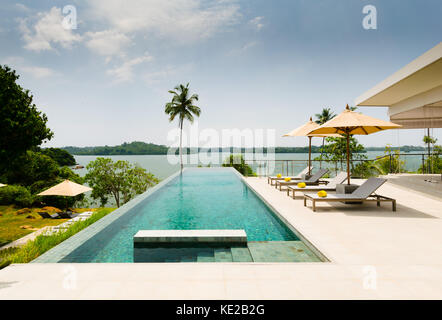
374	253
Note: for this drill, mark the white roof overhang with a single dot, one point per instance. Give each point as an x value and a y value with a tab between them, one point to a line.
413	94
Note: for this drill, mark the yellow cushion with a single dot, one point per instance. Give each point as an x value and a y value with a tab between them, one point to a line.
322	194
301	185
287	179
278	175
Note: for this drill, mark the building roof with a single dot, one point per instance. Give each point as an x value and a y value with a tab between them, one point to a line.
413	94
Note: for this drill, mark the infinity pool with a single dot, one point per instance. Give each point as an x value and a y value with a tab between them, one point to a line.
197	199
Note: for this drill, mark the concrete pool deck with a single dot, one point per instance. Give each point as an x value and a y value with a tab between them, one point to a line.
375	254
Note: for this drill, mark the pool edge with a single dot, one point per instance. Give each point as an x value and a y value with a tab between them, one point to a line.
60	251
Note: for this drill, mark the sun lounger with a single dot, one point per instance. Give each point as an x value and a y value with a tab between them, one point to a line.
314	180
67	215
331	186
365	192
46	215
272	179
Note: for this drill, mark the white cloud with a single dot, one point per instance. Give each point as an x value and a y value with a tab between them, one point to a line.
182	20
125	72
244	48
19	64
107	42
47	31
38	72
22	7
257	23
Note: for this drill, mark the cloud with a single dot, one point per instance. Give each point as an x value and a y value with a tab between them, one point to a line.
108	42
19	64
124	73
257	23
47	31
182	20
38	72
22	7
244	48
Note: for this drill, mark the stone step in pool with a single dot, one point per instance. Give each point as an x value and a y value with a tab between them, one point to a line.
265	251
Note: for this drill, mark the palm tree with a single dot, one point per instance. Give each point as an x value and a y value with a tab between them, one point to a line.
429	140
182	106
321	118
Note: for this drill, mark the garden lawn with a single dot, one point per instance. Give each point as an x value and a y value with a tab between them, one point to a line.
42	243
15	225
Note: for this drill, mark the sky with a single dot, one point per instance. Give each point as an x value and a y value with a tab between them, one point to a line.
254	64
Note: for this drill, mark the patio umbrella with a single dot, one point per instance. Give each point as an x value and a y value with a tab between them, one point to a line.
349	123
305	131
66	188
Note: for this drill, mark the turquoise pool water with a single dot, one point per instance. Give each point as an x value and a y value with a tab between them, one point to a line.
198	199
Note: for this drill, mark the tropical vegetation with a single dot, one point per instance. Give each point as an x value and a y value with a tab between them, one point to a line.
182	106
119	180
24	166
321	118
22	126
238	162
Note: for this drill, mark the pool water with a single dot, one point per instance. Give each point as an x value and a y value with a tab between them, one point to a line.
197	199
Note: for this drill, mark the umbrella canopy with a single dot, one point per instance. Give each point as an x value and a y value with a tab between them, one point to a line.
2	185
350	122
66	188
305	131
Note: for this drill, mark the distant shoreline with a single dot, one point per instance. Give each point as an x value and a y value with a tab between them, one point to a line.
142	148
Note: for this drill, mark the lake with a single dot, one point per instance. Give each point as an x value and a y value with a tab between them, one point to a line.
160	166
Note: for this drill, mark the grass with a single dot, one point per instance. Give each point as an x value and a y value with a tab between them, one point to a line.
32	249
16	223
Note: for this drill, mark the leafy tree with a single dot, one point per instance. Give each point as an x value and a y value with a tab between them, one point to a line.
37	172
238	162
434	161
390	164
22	126
62	157
321	118
182	106
429	140
336	151
119	180
31	167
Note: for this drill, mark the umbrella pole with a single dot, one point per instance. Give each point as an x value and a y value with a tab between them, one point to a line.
309	155
348	158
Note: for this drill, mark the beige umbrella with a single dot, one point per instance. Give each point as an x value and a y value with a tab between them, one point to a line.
350	122
304	131
66	188
2	185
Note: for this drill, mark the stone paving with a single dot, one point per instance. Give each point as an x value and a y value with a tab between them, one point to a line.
374	253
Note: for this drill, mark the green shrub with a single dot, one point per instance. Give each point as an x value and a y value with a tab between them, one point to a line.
18	195
364	169
391	162
238	162
433	164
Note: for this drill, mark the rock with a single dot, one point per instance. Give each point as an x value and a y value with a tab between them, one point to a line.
22	211
51	209
30	217
28	227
